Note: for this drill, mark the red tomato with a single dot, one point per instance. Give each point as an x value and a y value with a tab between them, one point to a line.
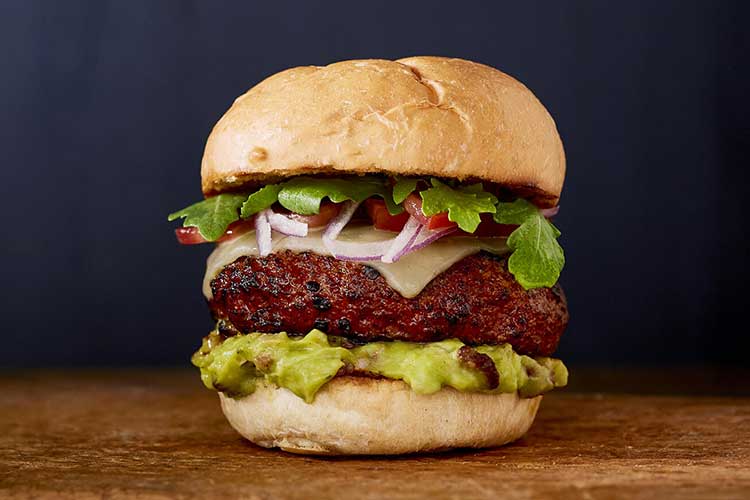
378	212
440	220
191	235
413	205
327	212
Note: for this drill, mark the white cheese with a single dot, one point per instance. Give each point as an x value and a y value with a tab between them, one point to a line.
408	276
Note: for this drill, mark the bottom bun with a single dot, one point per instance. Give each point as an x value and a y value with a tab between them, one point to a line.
355	416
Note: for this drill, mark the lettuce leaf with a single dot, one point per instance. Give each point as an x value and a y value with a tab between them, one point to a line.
463	203
403	187
213	215
303	195
260	200
537	257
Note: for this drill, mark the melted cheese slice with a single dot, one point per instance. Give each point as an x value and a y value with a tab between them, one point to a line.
408	276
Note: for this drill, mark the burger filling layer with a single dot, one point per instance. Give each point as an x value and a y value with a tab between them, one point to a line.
304	364
436	282
416	211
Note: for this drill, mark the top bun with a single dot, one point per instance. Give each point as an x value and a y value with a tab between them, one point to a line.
415	116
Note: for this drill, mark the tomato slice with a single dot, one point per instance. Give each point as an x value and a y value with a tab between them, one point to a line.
382	219
327	212
487	228
439	221
191	235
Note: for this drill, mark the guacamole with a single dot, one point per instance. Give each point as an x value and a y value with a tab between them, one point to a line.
304	364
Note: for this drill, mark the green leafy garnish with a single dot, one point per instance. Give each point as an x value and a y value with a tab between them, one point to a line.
463	204
303	195
537	257
536	260
403	187
260	200
213	215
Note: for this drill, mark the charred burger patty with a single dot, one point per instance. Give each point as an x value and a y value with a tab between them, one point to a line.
476	301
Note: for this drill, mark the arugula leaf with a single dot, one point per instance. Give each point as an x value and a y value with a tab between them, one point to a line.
537	257
515	212
303	195
211	216
260	200
463	204
404	187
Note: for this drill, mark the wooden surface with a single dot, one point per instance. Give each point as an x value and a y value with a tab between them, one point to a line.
140	434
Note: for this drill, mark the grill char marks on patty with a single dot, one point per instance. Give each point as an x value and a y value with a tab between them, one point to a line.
476	301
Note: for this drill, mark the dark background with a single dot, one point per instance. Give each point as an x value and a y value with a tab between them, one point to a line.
106	107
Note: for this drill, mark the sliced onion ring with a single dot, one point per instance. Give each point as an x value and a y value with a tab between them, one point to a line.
427	236
263	233
403	242
351	250
285	225
412	237
342	219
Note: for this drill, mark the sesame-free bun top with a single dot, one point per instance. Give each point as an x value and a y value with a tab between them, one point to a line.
430	116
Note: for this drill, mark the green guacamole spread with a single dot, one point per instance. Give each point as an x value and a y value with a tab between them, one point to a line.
304	364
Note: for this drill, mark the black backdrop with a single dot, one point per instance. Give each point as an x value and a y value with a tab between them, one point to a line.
106	106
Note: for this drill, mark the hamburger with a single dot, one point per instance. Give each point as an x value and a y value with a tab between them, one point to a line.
385	273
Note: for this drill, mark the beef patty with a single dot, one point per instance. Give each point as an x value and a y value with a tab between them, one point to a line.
477	301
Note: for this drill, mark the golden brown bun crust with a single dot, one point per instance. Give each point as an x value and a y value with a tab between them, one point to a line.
415	116
356	416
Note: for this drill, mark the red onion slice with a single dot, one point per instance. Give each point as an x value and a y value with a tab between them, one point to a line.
351	250
263	233
403	241
285	225
427	236
412	237
334	229
337	223
550	212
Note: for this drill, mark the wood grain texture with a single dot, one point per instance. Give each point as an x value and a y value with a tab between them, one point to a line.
151	434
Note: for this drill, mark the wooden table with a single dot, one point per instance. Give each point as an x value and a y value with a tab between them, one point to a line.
159	434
